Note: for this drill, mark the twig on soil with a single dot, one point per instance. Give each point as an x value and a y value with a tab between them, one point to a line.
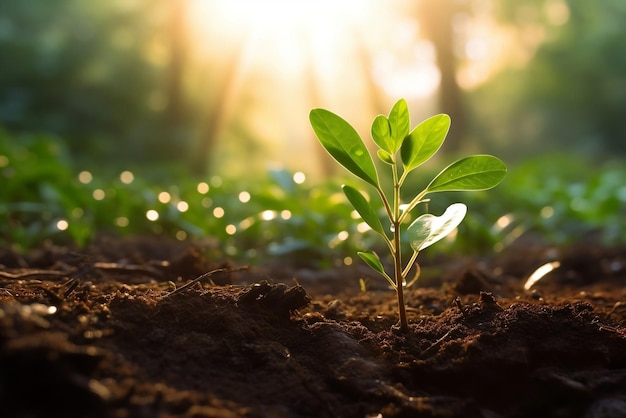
439	341
205	276
6	291
617	305
33	273
603	327
459	304
71	286
128	268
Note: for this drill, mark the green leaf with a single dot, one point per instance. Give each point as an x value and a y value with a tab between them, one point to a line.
381	133
372	260
400	123
343	143
364	208
424	141
428	229
385	157
478	172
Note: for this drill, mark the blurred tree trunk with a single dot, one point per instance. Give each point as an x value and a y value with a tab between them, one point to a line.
223	93
326	163
176	115
436	17
175	132
174	88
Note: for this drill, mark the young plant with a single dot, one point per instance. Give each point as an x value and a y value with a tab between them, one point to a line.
392	135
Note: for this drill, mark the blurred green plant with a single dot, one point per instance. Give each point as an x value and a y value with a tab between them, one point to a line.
33	196
45	197
392	135
564	199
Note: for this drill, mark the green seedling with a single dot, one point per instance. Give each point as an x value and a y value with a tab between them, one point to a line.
393	136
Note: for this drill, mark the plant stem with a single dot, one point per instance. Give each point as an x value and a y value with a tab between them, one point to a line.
397	256
385	202
404	326
389	214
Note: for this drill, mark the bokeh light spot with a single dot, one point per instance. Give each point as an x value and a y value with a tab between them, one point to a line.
202	188
152	215
218	212
164	197
504	221
127	177
546	212
268	215
85	177
182	206
244	197
246	223
121	221
363	227
98	194
299	177
62	225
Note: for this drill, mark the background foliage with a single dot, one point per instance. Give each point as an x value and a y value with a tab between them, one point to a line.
572	94
92	73
105	87
284	215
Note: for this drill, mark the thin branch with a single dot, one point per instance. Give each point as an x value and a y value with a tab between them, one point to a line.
417	200
406	270
403	177
203	277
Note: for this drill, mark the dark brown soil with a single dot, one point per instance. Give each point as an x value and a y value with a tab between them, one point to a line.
100	333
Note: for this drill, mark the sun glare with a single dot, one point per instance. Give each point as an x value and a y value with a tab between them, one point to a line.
324	40
279	34
273	16
269	62
277	13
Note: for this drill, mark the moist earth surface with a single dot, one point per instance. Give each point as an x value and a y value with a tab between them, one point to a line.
146	327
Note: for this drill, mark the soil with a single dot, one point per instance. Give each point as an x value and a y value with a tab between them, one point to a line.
110	331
